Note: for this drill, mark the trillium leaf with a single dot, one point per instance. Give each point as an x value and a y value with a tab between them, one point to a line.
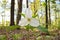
29	27
43	29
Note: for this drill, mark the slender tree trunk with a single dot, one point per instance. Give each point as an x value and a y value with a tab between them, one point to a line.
12	12
34	8
19	11
46	14
27	3
49	13
55	14
59	16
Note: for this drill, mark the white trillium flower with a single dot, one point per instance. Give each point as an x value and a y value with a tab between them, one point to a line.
28	19
23	22
28	13
34	22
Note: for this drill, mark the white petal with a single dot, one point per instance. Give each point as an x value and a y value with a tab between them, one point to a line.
23	22
34	22
28	13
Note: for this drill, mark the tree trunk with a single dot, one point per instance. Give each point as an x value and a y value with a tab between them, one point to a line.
34	8
27	3
46	14
49	13
19	11
55	15
12	13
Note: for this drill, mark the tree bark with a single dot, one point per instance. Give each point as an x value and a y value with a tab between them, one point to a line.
46	14
19	11
27	3
12	13
49	13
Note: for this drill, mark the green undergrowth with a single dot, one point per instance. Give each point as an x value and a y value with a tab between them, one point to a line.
3	37
17	36
9	28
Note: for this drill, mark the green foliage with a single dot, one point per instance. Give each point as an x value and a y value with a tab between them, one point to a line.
2	27
53	1
4	2
29	27
53	6
59	25
43	29
22	14
17	36
7	23
43	4
3	37
38	38
11	28
34	16
44	38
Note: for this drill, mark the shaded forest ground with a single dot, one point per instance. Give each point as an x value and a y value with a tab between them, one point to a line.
17	33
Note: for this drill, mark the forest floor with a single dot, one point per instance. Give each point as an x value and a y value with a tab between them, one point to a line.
23	34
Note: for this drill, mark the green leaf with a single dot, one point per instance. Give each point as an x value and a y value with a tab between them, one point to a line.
34	16
43	4
43	29
23	14
29	27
